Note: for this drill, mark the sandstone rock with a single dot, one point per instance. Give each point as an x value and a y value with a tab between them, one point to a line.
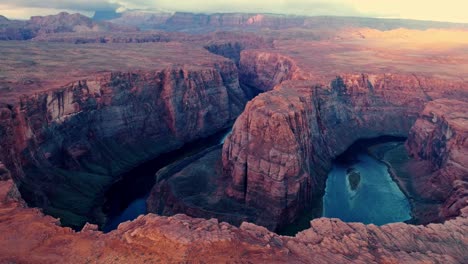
264	70
29	236
83	134
62	22
282	145
4	173
439	136
89	227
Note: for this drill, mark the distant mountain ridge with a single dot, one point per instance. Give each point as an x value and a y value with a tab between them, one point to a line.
185	21
134	20
142	19
3	19
60	23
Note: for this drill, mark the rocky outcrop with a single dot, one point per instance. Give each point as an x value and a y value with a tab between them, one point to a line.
282	145
113	37
231	20
69	144
29	236
62	22
276	159
3	19
192	186
440	137
4	173
265	70
142	19
65	22
254	21
230	45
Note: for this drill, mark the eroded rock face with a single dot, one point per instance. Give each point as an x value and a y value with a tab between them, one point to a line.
282	145
62	22
4	173
439	137
265	70
29	236
88	132
231	20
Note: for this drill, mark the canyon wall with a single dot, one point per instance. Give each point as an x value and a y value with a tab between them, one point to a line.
185	21
283	143
276	160
439	139
281	147
62	22
264	70
65	146
231	20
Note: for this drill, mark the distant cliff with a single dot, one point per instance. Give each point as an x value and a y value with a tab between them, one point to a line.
60	23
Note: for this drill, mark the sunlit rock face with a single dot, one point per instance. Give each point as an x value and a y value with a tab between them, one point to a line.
62	22
281	148
283	143
33	237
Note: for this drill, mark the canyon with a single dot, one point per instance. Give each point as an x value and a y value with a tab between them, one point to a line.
103	123
79	109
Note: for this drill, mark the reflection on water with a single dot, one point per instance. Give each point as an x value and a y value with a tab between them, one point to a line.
136	208
126	199
376	199
224	138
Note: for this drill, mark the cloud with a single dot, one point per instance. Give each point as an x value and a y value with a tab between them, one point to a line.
85	5
303	7
447	10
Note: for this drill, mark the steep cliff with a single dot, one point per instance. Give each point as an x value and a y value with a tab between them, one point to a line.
183	20
281	147
439	138
283	143
62	22
264	70
65	146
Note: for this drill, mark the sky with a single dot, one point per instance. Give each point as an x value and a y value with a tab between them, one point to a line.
438	10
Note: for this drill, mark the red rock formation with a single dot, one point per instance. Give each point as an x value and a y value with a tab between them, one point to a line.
210	22
30	237
103	114
281	147
84	134
142	19
440	136
264	70
283	143
231	20
62	22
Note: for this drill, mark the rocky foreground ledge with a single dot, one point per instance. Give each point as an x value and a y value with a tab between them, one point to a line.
30	237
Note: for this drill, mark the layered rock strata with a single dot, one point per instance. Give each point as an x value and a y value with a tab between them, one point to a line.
62	22
30	237
65	146
439	139
283	144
